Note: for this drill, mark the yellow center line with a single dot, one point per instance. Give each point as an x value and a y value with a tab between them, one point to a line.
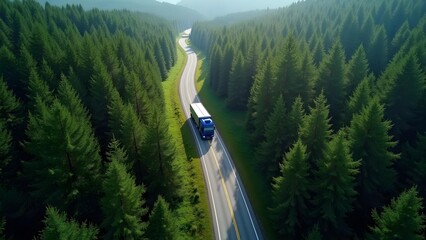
227	196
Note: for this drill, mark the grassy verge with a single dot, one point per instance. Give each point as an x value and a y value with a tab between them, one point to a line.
193	214
231	126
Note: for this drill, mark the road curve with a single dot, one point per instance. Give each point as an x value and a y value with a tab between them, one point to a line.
231	211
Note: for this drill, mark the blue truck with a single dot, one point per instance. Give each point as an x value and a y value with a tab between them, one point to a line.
203	120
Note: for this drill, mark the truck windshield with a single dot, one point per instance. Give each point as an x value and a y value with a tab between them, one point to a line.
208	129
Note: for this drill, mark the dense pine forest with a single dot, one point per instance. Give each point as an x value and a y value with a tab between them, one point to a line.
85	149
335	97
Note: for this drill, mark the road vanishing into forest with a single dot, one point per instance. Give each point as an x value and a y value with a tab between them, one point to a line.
231	211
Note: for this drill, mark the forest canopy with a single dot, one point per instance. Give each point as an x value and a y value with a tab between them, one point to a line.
334	94
85	148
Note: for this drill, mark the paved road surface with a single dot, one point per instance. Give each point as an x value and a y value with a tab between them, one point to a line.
232	214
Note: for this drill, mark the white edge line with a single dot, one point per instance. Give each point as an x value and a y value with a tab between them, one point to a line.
238	183
203	164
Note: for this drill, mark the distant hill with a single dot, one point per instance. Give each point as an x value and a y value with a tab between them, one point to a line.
216	8
181	17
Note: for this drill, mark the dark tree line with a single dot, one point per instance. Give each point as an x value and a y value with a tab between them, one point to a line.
85	149
335	96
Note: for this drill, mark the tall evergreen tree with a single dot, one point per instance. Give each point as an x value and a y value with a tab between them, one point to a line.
332	80
270	151
9	105
237	80
405	97
100	91
360	98
402	219
288	73
335	187
122	204
161	224
306	82
226	66
57	226
290	193
315	131
377	53
66	164
371	143
160	153
357	70
38	89
264	101
5	147
415	157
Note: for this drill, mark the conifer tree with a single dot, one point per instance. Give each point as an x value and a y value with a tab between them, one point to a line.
377	53
214	64
264	101
57	226
122	204
290	193
371	143
66	164
335	187
138	97
288	73
5	146
405	97
270	151
226	66
402	219
37	88
159	151
360	98
315	131
100	91
161	223
132	136
415	157
357	70
294	121
306	82
9	105
71	100
332	80
237	79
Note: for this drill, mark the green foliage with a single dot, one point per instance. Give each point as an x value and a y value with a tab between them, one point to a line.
58	227
405	96
359	99
290	193
371	143
237	98
357	69
335	187
262	101
161	225
5	146
332	80
159	153
417	163
122	204
270	151
402	219
315	131
9	105
66	165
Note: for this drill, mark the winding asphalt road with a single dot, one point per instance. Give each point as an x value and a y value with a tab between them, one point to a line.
232	214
